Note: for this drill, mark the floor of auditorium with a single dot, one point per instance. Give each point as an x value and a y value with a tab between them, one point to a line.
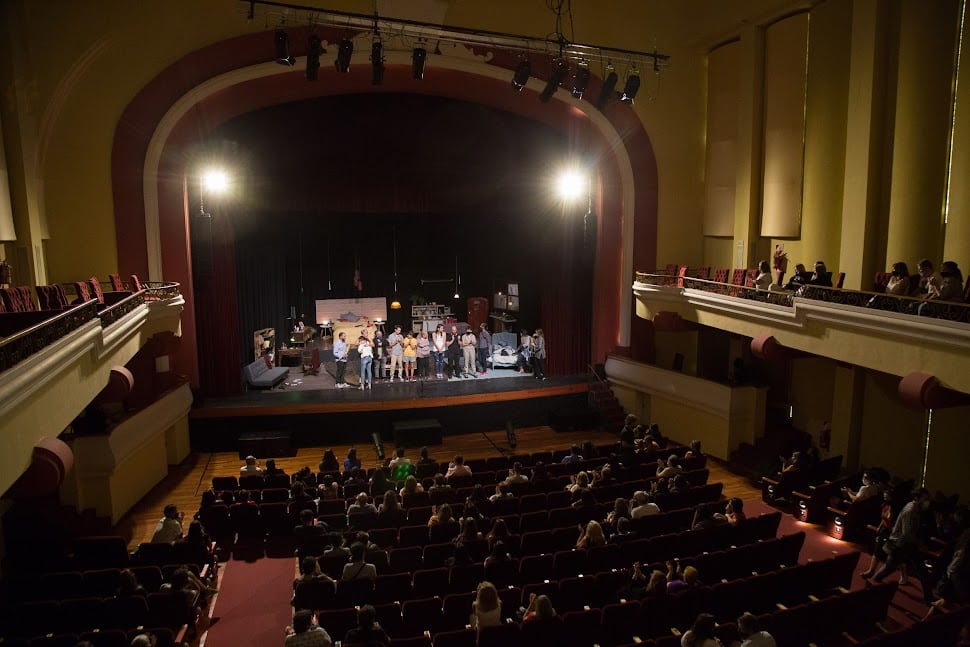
185	483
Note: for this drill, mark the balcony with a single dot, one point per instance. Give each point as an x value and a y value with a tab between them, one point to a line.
876	331
51	371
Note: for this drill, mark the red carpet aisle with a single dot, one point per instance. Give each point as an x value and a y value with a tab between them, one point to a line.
253	604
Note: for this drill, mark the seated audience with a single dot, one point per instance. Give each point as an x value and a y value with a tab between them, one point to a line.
870	488
310	572
379	483
358	568
401	466
457	468
579	485
169	528
797	461
250	467
443	516
128	585
516	475
368	631
502	491
540	608
305	632
540	472
733	512
499	532
621	508
411	486
199	545
672	467
642	505
900	284
652	437
678	580
590	536
701	633
623	531
441	486
487	607
764	279
694	451
309	531
329	463
603	477
800	278
573	456
351	463
498	554
951	283
469	531
751	634
271	469
821	276
424	459
704	518
360	507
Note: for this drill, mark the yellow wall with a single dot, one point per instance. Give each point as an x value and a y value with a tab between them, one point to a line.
949	448
892	435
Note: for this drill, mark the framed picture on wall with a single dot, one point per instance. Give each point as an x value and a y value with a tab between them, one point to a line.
514	290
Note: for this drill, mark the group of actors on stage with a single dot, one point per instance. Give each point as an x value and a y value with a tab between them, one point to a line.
460	355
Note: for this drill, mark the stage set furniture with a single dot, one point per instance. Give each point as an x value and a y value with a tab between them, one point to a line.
427	317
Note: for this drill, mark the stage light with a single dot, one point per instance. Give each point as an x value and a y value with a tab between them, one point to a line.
522	73
631	87
215	181
609	86
377	63
283	56
418	58
582	79
570	184
313	51
395	305
559	71
344	52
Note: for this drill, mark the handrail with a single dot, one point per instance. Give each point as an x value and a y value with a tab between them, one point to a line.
955	311
18	347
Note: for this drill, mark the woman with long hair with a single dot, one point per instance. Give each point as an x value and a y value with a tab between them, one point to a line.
487	607
366	351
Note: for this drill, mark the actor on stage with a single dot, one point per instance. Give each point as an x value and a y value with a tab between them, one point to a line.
379	344
340	357
395	345
454	352
484	346
525	352
539	355
424	355
439	347
366	351
410	356
468	344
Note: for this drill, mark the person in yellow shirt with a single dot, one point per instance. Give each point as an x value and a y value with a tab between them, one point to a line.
410	356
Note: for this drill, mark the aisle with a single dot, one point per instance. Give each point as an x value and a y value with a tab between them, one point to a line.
253	603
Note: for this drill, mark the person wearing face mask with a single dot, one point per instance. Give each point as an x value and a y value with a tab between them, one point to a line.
903	543
951	282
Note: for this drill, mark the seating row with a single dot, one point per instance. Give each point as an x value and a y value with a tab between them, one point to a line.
104	582
164	637
225	523
589	610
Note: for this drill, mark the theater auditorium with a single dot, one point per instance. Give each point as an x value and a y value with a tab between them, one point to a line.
682	282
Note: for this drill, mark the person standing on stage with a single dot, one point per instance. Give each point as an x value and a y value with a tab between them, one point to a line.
525	352
439	347
484	346
539	355
468	344
378	364
395	345
423	355
340	357
410	356
454	352
365	348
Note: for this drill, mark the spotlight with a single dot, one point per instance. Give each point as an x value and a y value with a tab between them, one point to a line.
313	51
344	52
582	79
283	48
609	86
522	73
631	87
377	63
418	58
559	71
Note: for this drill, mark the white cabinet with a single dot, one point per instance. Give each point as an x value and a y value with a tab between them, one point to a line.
427	317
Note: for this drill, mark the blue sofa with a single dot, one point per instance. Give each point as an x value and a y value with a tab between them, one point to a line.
259	375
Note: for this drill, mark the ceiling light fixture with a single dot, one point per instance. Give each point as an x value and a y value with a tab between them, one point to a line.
522	73
313	51
581	79
377	63
609	87
283	56
418	59
560	69
632	86
344	52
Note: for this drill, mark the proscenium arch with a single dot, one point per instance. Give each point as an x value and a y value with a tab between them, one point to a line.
210	86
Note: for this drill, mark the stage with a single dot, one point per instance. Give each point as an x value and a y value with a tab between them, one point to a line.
309	416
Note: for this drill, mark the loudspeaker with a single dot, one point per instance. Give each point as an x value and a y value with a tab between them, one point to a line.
378	445
510	433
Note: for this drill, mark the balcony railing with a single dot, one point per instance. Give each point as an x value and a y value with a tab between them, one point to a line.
955	311
31	340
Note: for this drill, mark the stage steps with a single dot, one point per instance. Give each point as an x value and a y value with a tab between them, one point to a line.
603	400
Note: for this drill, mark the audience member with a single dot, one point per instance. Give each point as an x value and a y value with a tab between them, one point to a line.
305	632
870	488
440	486
502	491
411	486
672	467
469	531
704	518
540	472
358	568
694	451
900	284
329	463
457	467
499	532
799	279
443	515
271	469
749	629
929	284
540	608
487	607
678	580
516	475
379	483
250	467
424	459
128	585
701	633
901	547
821	276
351	463
573	456
498	554
400	466
368	631
169	528
142	640
590	536
764	279
642	505
361	506
623	532
621	508
310	572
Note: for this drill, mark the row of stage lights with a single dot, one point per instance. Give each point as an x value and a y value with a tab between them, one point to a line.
419	57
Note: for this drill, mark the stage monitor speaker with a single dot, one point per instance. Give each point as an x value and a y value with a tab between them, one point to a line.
378	445
510	433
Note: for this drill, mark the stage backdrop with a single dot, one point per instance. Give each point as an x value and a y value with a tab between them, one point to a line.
351	315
